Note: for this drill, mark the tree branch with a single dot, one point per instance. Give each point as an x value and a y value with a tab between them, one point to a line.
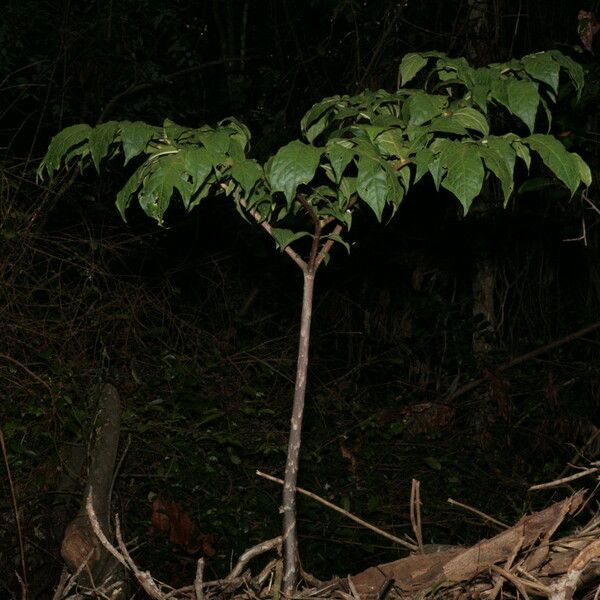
327	246
269	229
468	387
135	88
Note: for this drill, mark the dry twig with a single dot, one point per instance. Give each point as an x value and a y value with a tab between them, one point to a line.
199	580
249	554
13	497
389	536
479	513
563	480
415	512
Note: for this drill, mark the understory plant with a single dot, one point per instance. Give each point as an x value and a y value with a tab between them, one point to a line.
459	126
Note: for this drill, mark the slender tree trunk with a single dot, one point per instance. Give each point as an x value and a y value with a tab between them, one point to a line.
290	540
481	48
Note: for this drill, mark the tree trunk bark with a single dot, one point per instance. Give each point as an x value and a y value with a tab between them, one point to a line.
80	542
481	47
290	540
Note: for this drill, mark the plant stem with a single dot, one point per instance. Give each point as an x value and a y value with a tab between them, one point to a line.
290	539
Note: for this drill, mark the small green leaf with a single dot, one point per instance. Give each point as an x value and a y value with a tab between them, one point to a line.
494	161
372	184
423	107
101	138
217	143
293	165
573	69
522	152
499	91
437	171
584	171
432	462
504	148
197	164
347	188
543	67
411	64
447	125
422	159
174	132
464	176
340	153
392	142
480	94
523	99
535	184
135	137
284	237
240	131
168	174
310	124
339	239
464	72
472	119
129	189
246	173
482	84
554	155
61	143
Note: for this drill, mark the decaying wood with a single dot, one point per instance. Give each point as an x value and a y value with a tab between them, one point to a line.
80	543
427	572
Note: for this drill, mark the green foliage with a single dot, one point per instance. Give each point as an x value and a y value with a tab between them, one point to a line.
366	149
293	165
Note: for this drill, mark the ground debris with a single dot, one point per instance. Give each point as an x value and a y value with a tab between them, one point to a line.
525	560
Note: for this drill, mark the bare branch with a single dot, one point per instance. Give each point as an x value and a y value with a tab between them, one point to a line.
356	519
562	480
249	554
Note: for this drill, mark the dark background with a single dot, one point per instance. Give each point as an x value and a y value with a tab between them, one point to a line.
197	323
